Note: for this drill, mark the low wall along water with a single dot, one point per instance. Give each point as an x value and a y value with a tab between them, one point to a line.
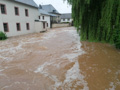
60	25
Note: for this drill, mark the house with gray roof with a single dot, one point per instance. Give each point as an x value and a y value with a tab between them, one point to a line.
50	9
55	15
18	17
44	16
66	17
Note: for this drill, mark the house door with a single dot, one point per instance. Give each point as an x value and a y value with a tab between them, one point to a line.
44	25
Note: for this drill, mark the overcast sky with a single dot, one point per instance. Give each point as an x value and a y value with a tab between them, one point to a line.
60	5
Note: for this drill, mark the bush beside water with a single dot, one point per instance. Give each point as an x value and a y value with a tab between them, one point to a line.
2	36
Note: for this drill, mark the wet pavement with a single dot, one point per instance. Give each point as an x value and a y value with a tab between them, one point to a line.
57	60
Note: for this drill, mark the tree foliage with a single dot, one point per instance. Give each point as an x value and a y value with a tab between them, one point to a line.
99	20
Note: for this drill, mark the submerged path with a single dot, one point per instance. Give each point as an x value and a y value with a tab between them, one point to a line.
57	60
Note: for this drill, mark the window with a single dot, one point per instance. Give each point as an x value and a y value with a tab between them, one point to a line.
5	26
18	26
47	24
54	11
68	19
26	12
63	19
44	25
16	11
43	17
3	8
27	26
39	17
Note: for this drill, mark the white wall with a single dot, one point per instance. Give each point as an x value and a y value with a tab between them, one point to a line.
12	19
46	18
39	27
60	25
66	20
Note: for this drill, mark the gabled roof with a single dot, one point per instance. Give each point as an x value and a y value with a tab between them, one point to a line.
41	11
49	8
27	2
52	15
66	16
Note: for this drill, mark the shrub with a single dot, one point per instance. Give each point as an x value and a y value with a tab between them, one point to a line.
2	36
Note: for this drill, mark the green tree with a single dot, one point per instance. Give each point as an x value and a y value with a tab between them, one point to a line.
99	20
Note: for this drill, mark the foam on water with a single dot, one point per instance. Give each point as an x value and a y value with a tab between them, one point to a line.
11	50
76	49
113	86
73	75
5	58
2	70
13	84
41	69
49	35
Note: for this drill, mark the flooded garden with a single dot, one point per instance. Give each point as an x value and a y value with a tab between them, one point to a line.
58	60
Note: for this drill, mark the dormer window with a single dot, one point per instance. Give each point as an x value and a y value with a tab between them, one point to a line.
54	11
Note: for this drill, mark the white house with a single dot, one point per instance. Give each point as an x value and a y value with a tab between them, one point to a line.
43	23
66	17
54	14
44	16
18	17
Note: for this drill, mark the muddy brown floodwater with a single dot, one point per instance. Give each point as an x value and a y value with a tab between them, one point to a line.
57	60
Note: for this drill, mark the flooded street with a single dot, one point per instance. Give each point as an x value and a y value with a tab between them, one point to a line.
57	60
